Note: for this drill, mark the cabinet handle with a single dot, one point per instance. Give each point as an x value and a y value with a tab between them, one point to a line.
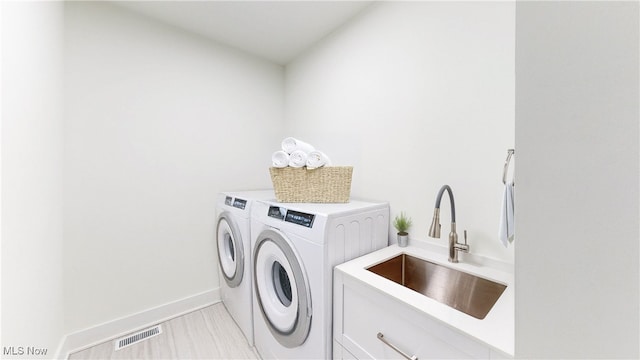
395	348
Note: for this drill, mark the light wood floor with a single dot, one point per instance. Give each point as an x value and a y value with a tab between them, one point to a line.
209	333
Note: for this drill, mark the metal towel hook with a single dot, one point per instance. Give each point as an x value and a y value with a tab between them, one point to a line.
510	153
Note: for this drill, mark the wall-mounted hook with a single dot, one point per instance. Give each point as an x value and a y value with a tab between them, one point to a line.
510	153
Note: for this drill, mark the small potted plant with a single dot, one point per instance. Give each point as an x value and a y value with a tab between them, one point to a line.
402	223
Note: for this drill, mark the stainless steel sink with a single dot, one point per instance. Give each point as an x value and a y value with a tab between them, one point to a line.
470	294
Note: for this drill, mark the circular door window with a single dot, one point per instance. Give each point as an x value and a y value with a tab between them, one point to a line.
230	253
282	289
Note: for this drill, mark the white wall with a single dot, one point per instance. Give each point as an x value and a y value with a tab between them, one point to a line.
32	184
577	134
416	95
157	122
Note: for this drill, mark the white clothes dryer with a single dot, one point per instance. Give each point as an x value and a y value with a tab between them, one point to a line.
233	242
295	248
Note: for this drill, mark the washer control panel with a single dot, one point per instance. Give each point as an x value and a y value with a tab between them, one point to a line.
236	203
292	216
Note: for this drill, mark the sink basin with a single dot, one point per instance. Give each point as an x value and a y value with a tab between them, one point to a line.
470	294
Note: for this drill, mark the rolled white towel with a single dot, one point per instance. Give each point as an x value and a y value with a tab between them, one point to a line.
317	159
280	159
289	145
298	159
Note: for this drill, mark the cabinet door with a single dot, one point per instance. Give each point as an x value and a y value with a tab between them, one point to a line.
366	314
340	353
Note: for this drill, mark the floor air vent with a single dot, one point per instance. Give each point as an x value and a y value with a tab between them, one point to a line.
138	337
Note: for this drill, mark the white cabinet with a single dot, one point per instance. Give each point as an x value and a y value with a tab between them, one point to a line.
361	313
339	352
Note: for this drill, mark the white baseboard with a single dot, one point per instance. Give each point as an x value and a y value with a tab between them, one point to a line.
119	327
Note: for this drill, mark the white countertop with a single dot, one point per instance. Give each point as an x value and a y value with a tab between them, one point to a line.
496	329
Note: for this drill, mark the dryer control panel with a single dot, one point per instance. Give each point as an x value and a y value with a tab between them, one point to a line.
292	216
239	203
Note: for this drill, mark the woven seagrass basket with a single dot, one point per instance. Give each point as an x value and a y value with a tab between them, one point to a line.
328	184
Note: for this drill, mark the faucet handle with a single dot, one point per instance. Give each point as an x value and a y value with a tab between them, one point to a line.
464	247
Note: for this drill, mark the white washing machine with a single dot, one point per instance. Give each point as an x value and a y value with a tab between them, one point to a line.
233	241
295	248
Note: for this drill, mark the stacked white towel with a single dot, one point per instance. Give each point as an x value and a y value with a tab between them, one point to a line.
298	159
289	145
296	153
317	159
280	159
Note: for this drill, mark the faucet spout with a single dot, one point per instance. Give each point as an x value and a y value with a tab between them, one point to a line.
447	188
434	230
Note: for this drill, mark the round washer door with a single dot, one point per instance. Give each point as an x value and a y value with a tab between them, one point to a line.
282	289
230	250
